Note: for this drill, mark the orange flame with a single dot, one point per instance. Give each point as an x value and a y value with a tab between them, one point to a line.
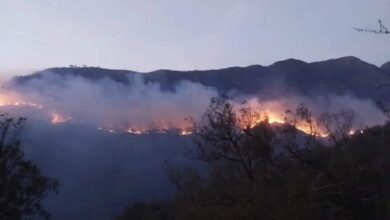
273	111
10	99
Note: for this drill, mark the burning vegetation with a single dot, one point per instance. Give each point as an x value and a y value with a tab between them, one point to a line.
257	171
57	118
255	112
142	107
10	99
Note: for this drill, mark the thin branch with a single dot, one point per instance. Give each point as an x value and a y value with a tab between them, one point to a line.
381	30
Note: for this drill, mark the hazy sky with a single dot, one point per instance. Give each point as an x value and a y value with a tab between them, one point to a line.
146	35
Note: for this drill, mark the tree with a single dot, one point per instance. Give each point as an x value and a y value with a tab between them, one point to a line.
238	149
255	170
382	29
260	171
22	185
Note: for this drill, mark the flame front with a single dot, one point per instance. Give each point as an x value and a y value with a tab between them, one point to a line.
272	111
10	99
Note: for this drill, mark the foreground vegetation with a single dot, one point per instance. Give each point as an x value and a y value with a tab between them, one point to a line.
22	185
278	172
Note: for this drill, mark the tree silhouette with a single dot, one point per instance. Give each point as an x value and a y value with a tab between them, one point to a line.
255	170
382	29
22	186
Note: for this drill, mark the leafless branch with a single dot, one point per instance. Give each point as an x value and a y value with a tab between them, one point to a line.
382	29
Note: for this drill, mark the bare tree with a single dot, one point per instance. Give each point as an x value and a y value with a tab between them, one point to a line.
382	29
245	138
256	170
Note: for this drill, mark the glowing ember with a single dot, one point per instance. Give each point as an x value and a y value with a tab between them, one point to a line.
58	119
107	130
353	132
135	131
272	112
185	132
273	118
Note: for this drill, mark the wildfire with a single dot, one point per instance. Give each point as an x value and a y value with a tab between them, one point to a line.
29	104
274	118
185	132
273	114
182	132
353	132
13	100
271	118
59	119
135	131
107	130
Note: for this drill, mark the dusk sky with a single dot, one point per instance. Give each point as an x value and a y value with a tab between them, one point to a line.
145	35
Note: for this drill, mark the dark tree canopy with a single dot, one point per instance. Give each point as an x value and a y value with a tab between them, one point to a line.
22	185
277	172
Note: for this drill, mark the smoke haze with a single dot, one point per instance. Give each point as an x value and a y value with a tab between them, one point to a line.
144	105
102	172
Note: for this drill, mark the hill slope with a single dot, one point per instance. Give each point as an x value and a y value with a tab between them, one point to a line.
346	75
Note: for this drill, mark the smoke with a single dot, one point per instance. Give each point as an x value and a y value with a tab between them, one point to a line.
100	173
141	106
116	105
366	113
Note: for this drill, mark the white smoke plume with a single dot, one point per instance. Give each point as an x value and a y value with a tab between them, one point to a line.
365	112
115	105
110	171
141	106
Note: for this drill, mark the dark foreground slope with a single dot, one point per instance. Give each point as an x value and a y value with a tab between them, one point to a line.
101	173
345	180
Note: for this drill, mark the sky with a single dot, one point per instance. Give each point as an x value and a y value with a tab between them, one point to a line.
145	35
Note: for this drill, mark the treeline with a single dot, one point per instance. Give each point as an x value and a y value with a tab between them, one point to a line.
278	172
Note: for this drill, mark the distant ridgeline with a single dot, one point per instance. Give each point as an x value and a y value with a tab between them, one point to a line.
346	75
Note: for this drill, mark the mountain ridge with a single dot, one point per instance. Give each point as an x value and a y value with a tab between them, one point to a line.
344	75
